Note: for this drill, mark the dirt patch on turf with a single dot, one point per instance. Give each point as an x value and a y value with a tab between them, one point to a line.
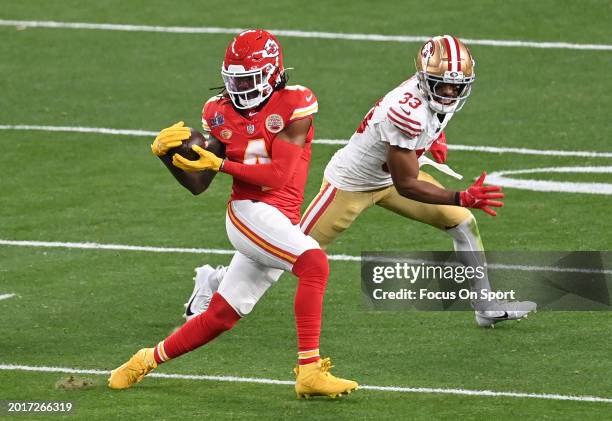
74	383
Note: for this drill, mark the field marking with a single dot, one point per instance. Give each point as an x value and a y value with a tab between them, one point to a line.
335	257
22	24
6	296
501	178
258	380
528	151
120	247
452	147
78	129
123	247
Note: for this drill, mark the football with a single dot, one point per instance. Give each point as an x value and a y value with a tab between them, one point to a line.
185	150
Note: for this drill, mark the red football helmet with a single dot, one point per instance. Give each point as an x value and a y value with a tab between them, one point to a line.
252	68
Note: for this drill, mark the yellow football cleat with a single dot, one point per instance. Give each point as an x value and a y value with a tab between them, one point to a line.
132	371
314	379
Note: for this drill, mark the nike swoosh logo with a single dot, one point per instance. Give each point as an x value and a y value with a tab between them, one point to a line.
505	316
188	311
309	97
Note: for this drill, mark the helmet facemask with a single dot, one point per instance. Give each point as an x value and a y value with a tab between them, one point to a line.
248	88
429	84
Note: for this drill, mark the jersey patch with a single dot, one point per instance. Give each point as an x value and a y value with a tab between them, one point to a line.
226	134
274	123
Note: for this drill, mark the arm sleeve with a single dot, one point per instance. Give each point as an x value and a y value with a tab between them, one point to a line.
285	158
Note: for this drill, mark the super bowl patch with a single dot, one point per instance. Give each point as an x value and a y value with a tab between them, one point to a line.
216	121
274	123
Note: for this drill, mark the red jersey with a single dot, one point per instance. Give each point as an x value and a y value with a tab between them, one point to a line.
248	140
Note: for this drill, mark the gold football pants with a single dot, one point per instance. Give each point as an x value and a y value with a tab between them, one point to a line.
334	210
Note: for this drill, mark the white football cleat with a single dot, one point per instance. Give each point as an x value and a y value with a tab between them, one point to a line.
501	311
202	292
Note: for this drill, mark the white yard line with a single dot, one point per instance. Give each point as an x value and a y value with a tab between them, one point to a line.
294	33
78	129
505	178
120	247
335	257
259	380
527	151
452	147
123	247
6	296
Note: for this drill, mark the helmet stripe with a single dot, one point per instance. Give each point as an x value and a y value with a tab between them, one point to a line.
449	54
458	54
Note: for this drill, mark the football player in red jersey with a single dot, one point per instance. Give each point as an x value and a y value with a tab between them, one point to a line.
265	132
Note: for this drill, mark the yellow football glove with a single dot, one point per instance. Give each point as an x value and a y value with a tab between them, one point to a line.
207	161
169	138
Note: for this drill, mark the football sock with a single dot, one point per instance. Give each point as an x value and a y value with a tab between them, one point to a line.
198	331
312	270
470	252
307	357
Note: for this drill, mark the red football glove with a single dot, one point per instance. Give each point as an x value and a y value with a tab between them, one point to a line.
439	149
477	196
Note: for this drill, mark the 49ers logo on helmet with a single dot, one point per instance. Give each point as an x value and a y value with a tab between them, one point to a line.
428	50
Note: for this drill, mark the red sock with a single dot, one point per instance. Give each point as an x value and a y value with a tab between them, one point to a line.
312	271
198	331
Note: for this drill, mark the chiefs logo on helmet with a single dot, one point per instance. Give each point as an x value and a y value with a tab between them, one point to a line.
253	68
271	48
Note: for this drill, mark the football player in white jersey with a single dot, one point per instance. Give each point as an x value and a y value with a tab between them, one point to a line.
381	166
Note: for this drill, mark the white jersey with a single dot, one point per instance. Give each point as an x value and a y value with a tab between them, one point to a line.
402	118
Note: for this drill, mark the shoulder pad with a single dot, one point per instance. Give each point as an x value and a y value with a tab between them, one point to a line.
408	121
302	101
207	111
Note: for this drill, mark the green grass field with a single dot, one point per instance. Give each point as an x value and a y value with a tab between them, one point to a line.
91	309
